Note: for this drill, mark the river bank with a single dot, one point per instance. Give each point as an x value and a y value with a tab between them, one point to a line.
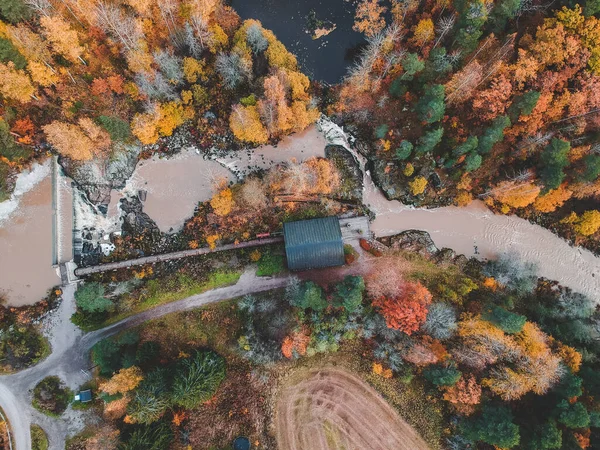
175	186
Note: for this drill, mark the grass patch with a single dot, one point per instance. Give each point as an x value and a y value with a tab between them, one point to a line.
39	440
51	396
160	291
270	264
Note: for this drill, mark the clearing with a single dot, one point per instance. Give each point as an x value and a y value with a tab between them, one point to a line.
329	409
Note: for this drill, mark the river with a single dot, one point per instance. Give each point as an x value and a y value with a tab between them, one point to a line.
26	238
176	185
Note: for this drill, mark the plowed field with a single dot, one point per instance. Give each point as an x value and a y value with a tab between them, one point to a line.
330	409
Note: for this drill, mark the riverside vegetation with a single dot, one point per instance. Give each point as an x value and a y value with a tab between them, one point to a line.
464	350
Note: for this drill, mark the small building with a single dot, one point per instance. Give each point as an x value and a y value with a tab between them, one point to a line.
84	396
313	244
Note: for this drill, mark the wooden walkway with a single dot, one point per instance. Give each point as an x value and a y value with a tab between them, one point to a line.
352	228
173	255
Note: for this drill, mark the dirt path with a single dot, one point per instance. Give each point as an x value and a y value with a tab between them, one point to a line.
330	409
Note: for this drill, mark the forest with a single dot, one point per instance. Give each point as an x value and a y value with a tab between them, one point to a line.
451	102
493	101
474	355
93	81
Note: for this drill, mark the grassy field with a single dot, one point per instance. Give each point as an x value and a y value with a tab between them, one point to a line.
159	292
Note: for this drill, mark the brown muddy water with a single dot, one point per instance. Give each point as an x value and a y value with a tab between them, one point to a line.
26	271
176	185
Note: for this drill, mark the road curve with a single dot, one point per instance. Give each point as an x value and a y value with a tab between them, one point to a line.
70	357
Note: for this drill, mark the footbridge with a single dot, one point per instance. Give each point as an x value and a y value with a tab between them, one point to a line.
352	228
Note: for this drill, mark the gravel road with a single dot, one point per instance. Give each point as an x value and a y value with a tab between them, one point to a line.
70	358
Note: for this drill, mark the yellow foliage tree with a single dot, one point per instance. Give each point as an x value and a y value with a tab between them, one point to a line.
277	54
211	240
15	84
552	200
588	223
42	74
303	116
424	32
193	70
123	381
165	118
222	202
463	198
299	84
63	38
516	195
246	125
418	185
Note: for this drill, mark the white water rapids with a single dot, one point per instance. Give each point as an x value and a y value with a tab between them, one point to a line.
176	185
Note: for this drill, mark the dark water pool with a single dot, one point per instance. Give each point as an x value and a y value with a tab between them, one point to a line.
325	59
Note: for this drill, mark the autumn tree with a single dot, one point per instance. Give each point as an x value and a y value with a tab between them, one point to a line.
424	32
123	381
15	84
514	194
586	224
63	38
552	200
369	17
80	142
408	311
464	395
246	125
418	185
295	344
223	202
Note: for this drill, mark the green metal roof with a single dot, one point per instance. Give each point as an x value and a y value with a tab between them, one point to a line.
314	243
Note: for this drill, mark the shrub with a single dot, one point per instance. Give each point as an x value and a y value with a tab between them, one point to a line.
442	375
270	264
90	298
51	396
381	131
118	129
507	321
494	426
197	379
404	150
39	440
441	321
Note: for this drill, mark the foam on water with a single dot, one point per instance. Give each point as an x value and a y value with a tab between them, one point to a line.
26	181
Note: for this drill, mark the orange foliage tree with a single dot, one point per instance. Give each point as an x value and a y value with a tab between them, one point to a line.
407	311
296	342
369	17
464	395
